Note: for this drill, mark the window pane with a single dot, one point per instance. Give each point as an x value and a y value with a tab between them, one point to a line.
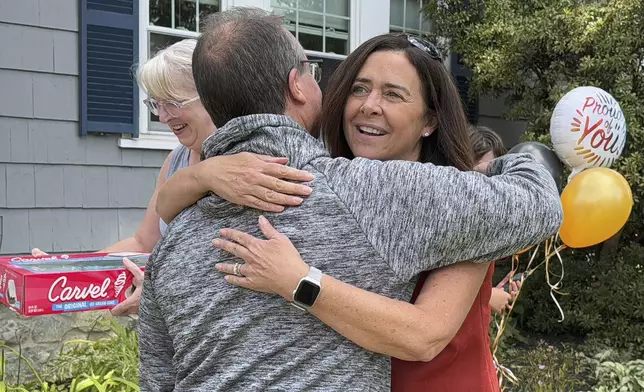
335	26
311	41
289	18
311	5
427	25
283	3
337	7
337	45
310	20
412	15
396	12
185	15
160	13
207	7
161	41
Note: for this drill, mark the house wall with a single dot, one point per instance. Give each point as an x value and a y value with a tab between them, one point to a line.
50	177
58	191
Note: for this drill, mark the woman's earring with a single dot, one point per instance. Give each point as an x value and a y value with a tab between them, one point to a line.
426	134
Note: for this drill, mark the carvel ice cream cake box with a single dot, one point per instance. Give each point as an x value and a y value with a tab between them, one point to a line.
65	283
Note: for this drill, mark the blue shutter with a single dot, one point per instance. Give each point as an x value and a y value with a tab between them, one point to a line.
109	43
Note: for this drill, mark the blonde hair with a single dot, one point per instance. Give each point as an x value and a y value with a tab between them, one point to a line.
168	75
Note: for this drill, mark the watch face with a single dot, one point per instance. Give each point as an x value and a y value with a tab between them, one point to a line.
307	293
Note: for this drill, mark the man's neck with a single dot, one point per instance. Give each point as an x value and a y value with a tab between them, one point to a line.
296	115
267	134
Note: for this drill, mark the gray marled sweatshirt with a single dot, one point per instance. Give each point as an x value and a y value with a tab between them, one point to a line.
371	224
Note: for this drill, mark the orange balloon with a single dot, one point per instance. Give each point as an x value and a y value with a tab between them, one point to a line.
596	205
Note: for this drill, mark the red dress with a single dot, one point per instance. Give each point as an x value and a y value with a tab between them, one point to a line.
465	364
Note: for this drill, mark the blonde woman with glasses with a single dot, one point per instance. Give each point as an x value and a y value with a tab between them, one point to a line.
172	96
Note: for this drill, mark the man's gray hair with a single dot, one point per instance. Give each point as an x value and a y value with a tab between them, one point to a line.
241	63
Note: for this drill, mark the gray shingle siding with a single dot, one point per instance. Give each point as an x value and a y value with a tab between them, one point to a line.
59	191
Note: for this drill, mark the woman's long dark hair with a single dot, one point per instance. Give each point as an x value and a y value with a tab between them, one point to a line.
450	142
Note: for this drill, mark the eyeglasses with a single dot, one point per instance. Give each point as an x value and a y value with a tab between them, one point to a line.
425	46
173	108
315	68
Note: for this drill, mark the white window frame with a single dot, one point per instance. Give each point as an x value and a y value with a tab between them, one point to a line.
150	139
351	37
404	14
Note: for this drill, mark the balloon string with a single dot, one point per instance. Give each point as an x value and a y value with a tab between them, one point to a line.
505	317
554	288
504	372
532	258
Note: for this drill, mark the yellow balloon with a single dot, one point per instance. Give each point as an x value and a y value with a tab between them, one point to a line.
596	204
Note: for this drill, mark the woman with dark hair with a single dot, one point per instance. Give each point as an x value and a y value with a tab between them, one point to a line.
437	99
391	99
487	145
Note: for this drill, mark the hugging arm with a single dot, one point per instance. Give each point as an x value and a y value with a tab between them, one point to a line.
420	217
246	179
413	332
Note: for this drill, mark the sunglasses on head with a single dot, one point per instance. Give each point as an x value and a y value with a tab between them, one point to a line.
425	46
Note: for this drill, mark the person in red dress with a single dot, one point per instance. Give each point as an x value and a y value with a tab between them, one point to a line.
466	363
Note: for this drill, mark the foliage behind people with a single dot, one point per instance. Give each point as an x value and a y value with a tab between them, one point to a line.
533	52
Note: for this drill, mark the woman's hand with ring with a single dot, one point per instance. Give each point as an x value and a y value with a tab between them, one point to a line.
271	266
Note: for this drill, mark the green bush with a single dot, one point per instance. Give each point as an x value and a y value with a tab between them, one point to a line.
604	301
613	376
555	368
105	365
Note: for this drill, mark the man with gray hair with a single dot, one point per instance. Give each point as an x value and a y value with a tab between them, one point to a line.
198	333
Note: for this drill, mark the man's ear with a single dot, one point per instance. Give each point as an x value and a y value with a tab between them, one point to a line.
295	87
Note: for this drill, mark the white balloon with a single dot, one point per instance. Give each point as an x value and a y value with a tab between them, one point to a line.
588	129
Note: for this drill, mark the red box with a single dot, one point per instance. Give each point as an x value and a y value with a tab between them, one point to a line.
65	283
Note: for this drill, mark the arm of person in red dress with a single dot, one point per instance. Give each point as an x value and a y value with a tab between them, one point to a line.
412	332
446	299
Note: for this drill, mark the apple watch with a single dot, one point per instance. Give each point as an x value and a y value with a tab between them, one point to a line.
308	289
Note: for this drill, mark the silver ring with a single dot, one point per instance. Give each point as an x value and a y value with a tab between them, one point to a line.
237	269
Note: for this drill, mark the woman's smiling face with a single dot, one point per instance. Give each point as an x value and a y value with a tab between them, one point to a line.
385	116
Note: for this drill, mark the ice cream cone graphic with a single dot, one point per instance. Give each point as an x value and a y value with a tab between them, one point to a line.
119	283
